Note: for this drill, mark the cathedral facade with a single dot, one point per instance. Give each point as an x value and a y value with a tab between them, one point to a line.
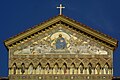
61	49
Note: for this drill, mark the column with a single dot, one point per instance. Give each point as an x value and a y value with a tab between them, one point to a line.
18	71
26	71
9	71
94	71
75	71
85	71
59	71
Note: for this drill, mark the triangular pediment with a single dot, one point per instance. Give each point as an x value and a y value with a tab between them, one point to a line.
67	26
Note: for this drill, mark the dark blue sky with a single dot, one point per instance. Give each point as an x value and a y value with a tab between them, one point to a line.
18	15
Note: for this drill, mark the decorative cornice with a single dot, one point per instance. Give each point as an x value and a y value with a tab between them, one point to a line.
102	37
4	78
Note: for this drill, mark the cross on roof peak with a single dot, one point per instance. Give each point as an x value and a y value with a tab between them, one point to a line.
61	7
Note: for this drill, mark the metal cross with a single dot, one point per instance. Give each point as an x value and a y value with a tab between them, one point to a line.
61	7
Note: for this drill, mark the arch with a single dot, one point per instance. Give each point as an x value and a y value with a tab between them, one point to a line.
97	68
48	64
14	67
90	64
56	68
22	68
82	64
72	68
56	64
81	68
47	68
39	64
106	68
30	68
106	64
98	64
39	68
30	63
89	68
64	64
14	64
64	68
73	64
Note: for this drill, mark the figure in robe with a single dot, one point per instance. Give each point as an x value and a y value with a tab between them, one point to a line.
23	68
90	68
60	42
81	68
65	69
56	69
106	68
98	68
47	68
31	69
39	68
14	69
73	68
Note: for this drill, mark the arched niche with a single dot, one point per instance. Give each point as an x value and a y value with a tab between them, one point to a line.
98	68
64	68
22	71
72	68
106	68
89	69
81	68
13	69
56	69
39	69
47	68
30	68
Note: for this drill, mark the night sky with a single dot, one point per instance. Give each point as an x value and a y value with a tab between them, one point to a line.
18	15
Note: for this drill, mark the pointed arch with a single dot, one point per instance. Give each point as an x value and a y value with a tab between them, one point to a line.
81	68
14	64
82	64
98	64
64	68
89	68
47	68
90	64
56	64
72	68
106	68
107	64
31	65
56	68
64	64
39	68
14	67
39	64
73	64
97	68
48	64
22	68
30	68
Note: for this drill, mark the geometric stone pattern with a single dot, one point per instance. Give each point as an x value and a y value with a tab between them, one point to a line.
60	59
61	49
60	77
70	74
